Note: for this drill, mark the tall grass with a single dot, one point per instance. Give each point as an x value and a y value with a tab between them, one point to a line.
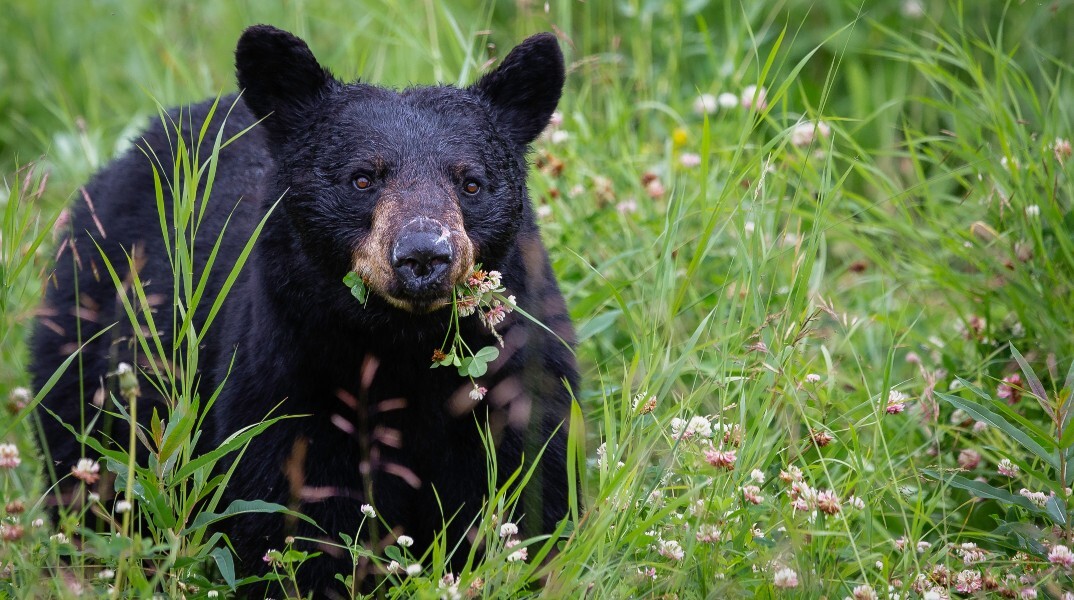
834	313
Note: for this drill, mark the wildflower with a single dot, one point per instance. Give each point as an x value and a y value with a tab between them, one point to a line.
752	494
705	104
123	506
404	541
495	315
856	502
968	581
1010	389
368	511
413	569
1033	211
708	533
87	470
812	378
690	160
792	473
653	186
1027	593
394	568
803	134
969	459
648	573
93	497
670	549
128	381
912	9
477	393
467	305
727	100
648	407
801	489
800	505
757	476
18	398
864	592
37	523
1061	555
820	437
828	502
679	137
923	547
213	594
559	136
900	543
106	574
721	459
273	558
971	554
754	97
519	555
1038	498
1006	467
508	529
10	532
627	207
1062	150
9	456
683	429
59	538
785	578
896	402
438	355
979	426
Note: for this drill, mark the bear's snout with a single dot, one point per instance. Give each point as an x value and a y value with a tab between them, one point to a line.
422	255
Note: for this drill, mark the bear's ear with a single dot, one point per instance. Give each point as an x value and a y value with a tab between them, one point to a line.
525	88
278	76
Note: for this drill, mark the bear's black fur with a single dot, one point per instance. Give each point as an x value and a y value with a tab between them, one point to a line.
349	164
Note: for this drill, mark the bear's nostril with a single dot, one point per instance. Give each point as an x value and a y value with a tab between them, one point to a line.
421	261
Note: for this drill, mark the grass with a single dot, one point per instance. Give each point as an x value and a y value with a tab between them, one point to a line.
922	248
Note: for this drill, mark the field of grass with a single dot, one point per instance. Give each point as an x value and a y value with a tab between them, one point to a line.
818	253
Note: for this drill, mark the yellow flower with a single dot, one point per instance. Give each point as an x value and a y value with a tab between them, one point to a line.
679	137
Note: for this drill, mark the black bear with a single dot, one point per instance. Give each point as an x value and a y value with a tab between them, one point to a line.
411	190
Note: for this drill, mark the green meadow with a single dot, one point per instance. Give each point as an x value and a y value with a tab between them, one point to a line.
818	253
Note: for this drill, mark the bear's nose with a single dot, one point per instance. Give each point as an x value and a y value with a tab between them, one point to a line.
422	255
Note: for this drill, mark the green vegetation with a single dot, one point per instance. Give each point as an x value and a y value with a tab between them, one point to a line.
826	328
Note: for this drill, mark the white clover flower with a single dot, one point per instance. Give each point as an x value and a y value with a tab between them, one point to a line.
9	456
689	160
123	506
368	511
670	549
404	541
1061	555
757	476
727	100
414	569
508	529
705	104
812	378
754	97
87	470
785	578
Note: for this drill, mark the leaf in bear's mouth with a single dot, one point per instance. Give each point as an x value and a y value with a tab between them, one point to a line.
357	285
481	293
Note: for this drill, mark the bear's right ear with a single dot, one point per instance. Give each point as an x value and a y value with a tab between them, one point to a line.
278	76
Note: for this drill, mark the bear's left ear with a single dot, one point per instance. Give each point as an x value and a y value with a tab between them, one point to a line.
279	77
525	88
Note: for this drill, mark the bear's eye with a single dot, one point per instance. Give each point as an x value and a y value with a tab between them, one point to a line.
471	187
362	182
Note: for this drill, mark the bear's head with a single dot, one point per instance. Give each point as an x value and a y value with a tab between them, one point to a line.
409	189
